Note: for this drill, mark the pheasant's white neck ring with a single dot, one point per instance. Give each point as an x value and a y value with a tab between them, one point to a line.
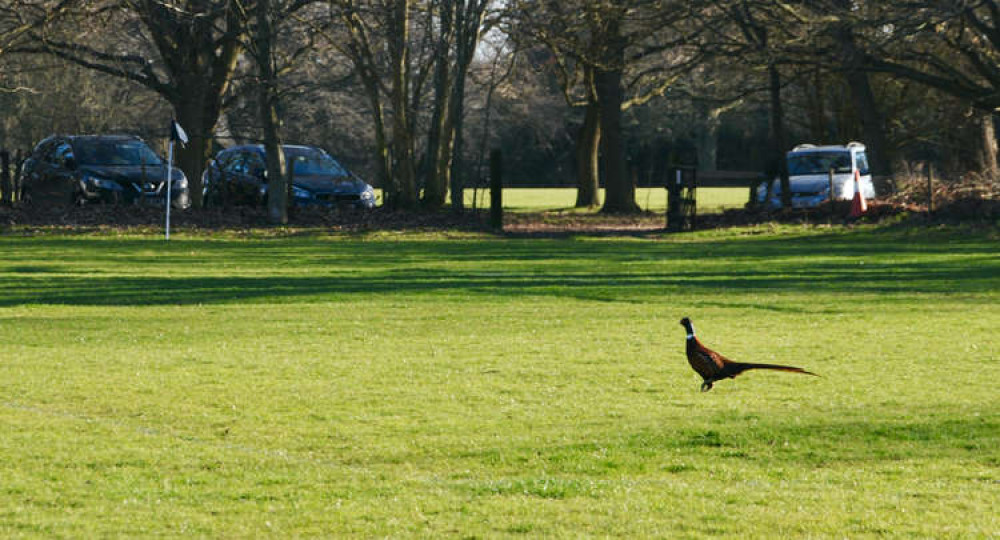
691	335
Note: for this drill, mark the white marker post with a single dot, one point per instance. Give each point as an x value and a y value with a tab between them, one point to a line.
176	134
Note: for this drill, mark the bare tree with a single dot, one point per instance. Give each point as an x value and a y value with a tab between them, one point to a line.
376	41
619	54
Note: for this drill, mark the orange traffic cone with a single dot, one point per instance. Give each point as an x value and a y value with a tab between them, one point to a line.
858	205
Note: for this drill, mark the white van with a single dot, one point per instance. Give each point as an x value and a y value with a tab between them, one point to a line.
809	175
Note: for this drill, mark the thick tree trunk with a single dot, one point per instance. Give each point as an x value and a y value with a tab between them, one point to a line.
588	158
779	139
278	174
619	193
988	155
192	157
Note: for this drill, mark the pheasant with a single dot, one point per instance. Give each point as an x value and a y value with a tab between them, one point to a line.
713	367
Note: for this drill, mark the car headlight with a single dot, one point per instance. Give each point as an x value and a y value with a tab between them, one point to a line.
300	193
180	181
368	194
96	182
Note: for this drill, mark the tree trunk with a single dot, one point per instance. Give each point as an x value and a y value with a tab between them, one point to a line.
383	158
871	126
588	157
708	136
863	96
456	116
404	185
277	186
457	161
816	103
468	25
192	157
989	165
619	192
438	143
438	154
779	140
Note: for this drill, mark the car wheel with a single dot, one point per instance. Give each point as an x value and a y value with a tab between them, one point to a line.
78	199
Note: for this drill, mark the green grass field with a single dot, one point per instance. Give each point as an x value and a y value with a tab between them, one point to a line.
466	385
649	199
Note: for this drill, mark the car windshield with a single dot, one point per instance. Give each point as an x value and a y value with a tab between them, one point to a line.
819	163
309	161
114	152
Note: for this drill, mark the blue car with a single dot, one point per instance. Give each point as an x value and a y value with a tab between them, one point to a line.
238	176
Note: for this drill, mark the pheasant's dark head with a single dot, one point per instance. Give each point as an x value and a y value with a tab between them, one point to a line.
686	323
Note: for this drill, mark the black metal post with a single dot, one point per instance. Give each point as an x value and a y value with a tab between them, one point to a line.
675	218
496	189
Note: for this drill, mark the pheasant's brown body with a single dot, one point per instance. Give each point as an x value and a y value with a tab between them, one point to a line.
713	367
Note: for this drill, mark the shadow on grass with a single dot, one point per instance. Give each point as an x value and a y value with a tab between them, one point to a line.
110	271
814	444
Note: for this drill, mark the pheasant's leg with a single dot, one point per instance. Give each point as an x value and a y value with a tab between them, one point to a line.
706	386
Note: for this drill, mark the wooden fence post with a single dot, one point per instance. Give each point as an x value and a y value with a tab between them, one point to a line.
496	189
16	181
930	188
6	180
833	196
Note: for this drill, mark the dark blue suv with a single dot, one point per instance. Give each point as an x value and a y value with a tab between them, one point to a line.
238	176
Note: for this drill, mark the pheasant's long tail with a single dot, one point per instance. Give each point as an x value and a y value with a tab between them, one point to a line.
740	367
